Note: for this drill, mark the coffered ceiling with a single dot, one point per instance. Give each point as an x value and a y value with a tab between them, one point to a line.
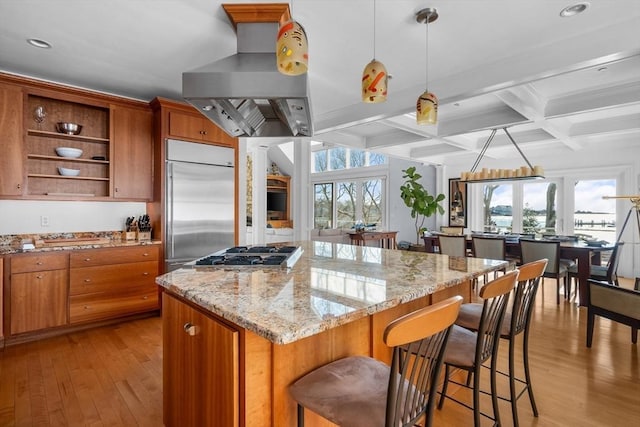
561	84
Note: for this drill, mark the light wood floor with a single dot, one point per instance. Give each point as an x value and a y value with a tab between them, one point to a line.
112	376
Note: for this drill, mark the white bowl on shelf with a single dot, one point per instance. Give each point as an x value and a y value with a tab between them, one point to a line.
68	152
68	172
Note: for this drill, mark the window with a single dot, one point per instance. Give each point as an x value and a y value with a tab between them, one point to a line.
323	206
363	196
539	209
594	216
341	158
345	190
497	207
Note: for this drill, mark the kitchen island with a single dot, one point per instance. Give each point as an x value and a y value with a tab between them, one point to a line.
234	338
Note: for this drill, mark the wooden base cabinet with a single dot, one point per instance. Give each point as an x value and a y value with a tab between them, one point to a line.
200	368
39	292
112	282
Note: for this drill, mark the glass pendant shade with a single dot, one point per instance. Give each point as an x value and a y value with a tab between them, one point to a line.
292	49
427	109
374	82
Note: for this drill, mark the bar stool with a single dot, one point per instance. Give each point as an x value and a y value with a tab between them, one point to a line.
517	320
469	350
360	391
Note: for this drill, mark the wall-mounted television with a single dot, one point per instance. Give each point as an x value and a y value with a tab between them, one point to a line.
276	201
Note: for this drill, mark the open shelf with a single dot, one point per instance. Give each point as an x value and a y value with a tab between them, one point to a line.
80	178
65	136
67	159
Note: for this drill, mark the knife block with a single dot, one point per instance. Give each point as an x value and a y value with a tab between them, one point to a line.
143	236
129	235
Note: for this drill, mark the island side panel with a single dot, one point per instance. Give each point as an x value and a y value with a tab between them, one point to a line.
200	367
292	361
256	379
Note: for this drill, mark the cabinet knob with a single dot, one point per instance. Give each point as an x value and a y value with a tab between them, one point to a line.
19	186
116	189
38	262
145	254
145	273
87	280
87	259
190	329
145	297
38	277
87	307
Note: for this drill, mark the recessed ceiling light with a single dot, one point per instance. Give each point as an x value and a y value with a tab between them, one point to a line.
574	9
601	69
456	104
42	44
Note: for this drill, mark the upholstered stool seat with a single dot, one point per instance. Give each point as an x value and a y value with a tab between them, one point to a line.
344	390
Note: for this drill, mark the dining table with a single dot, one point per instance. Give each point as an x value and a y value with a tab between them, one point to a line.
584	253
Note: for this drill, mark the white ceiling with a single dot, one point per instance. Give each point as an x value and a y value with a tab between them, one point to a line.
565	83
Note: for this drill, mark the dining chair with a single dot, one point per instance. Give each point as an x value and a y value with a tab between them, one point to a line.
469	350
534	250
608	273
615	303
517	321
490	248
359	391
453	245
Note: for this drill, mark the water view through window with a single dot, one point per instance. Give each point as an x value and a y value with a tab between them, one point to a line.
593	216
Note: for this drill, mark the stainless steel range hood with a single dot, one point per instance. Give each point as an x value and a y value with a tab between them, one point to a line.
245	95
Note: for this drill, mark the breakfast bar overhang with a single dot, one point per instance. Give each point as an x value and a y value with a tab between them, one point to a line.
234	338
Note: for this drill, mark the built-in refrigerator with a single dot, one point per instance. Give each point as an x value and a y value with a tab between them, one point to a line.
199	201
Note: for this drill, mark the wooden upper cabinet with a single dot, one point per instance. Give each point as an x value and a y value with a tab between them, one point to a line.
197	128
132	153
11	160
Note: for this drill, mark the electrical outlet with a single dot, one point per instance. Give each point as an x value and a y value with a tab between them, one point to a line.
44	221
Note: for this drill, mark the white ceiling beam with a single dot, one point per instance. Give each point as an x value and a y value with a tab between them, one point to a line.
592	100
530	104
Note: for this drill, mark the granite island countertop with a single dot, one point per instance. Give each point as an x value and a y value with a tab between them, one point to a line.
330	285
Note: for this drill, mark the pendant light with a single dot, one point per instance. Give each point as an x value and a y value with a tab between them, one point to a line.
292	48
427	104
374	76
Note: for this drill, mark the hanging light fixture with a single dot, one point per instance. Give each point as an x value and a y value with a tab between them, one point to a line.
374	77
427	104
292	48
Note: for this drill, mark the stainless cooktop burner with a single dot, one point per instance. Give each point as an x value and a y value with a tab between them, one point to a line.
251	256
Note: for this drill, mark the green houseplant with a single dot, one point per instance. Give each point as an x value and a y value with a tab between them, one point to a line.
416	197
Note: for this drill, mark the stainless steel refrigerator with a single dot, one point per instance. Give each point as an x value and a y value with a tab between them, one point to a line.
200	201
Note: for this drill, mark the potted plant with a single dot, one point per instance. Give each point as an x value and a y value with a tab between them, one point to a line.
416	197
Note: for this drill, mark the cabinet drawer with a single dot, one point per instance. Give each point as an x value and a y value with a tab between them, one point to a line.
108	256
39	262
112	278
101	306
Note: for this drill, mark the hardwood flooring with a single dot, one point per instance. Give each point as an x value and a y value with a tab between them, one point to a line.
112	376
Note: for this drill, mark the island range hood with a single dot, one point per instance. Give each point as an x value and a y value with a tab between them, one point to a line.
245	94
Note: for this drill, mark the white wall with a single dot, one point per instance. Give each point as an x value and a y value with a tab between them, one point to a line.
24	216
399	214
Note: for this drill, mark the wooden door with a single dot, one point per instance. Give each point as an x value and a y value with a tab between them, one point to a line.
200	368
132	153
11	160
39	300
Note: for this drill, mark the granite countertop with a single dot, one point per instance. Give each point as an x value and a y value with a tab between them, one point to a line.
12	243
330	285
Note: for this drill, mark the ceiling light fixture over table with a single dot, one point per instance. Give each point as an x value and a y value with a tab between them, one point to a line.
427	104
374	77
485	175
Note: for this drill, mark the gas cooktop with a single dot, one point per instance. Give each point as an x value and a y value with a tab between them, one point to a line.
251	256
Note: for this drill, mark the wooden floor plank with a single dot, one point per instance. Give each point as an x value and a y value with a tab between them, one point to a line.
112	376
